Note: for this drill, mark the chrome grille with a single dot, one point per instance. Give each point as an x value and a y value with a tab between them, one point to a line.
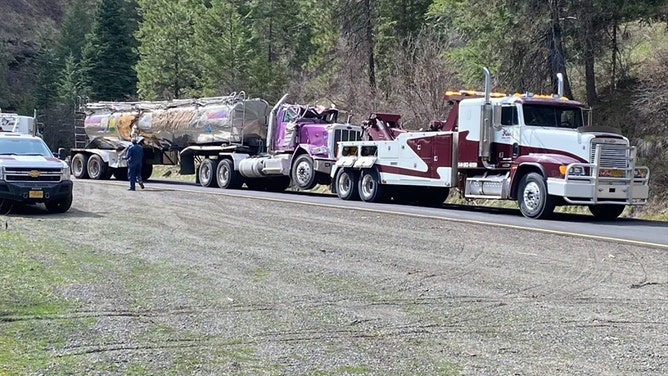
612	155
32	174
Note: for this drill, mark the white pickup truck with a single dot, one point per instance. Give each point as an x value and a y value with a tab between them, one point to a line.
29	173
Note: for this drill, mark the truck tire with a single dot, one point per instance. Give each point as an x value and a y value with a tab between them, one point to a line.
346	184
146	172
97	168
533	198
370	189
79	166
606	212
207	173
59	206
227	177
121	173
6	206
303	173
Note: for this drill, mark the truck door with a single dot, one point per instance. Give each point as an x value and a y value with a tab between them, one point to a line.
506	139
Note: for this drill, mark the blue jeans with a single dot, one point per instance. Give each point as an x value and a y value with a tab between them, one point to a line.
134	175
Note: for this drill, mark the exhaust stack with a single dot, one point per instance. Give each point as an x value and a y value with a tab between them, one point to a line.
272	121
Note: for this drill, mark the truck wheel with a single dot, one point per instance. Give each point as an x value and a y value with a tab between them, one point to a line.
121	173
606	212
59	206
207	173
79	165
346	184
146	172
533	199
6	206
97	168
370	189
227	177
303	173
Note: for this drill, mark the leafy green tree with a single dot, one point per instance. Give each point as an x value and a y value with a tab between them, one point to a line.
167	66
109	54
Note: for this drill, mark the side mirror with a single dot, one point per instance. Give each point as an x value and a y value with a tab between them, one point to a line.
61	154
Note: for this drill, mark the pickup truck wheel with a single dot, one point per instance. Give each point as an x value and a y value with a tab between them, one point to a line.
303	173
346	184
369	187
533	199
207	173
6	206
606	212
59	206
227	177
97	168
79	165
146	172
121	173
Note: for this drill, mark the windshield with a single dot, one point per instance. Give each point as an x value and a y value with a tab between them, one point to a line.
552	116
23	146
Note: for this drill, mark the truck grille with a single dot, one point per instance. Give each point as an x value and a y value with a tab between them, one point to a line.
341	134
612	155
32	174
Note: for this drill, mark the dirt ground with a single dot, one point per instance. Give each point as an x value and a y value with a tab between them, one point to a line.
215	284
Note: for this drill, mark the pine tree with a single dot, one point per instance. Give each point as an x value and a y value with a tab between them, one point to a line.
109	54
222	44
167	67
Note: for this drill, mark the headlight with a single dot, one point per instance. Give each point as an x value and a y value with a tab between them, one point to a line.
320	150
576	171
65	174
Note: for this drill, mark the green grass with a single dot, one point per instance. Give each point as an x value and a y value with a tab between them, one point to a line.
31	305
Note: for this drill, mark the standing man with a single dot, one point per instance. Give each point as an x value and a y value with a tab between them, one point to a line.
135	155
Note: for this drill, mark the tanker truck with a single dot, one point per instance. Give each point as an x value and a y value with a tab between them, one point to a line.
538	150
225	141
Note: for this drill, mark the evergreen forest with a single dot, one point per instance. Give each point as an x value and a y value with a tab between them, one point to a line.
361	55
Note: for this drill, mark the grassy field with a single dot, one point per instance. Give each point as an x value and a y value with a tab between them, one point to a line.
32	307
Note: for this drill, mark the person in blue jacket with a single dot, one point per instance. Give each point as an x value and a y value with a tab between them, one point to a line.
135	156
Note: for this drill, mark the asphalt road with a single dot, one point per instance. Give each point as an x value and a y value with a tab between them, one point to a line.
622	230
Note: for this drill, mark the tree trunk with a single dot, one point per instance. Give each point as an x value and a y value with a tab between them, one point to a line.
587	33
557	57
371	46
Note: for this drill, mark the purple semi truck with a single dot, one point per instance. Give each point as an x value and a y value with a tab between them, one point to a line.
299	149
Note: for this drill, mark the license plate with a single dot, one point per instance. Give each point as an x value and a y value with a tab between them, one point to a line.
614	173
35	194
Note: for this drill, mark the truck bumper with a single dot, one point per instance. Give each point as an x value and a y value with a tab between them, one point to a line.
595	191
35	192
